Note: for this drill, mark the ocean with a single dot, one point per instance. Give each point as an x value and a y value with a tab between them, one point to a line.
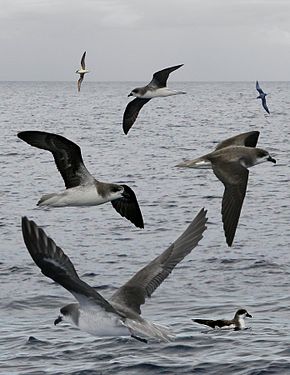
212	282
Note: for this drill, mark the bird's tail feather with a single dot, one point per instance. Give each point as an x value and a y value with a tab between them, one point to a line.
43	200
150	329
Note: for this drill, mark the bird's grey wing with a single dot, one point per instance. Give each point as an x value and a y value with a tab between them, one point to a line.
264	104
57	266
128	207
248	139
83	64
80	80
131	112
133	293
258	88
160	78
67	155
235	179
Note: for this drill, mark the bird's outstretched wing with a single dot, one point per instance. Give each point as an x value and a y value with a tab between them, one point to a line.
83	64
67	156
234	194
80	80
57	266
258	88
133	293
128	207
248	139
160	78
131	113
264	104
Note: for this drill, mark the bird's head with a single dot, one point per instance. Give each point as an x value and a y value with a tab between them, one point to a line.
243	313
116	191
263	155
135	92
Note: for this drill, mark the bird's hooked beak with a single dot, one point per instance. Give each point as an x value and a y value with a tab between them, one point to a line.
57	320
248	315
271	159
130	94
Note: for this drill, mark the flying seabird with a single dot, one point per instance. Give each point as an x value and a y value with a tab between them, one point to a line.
82	71
82	189
156	88
121	314
236	323
230	162
262	96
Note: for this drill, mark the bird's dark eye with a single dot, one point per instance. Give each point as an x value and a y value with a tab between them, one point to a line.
115	189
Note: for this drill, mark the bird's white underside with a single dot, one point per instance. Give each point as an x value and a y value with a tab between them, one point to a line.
83	195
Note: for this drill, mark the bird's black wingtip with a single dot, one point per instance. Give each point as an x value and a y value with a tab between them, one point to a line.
125	130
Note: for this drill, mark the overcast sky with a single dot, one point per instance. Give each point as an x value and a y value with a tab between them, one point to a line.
222	40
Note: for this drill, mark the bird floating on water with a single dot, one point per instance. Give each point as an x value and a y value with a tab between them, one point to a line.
237	323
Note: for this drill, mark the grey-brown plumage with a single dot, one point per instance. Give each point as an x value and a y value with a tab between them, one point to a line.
236	323
155	88
79	183
142	285
44	251
122	312
230	162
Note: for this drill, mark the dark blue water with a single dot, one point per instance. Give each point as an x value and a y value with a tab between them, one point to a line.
106	249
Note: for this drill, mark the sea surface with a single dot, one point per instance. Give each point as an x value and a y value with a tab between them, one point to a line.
213	281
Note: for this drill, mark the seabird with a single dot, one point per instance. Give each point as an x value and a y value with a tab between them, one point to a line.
82	71
237	323
121	314
230	162
82	189
262	96
156	88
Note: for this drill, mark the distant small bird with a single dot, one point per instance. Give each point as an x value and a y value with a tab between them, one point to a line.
121	314
230	162
82	71
82	189
237	323
262	96
156	88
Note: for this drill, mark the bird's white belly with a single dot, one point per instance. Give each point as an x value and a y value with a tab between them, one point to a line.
101	323
78	196
164	91
82	71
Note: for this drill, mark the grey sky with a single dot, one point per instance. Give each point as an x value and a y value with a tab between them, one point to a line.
130	39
